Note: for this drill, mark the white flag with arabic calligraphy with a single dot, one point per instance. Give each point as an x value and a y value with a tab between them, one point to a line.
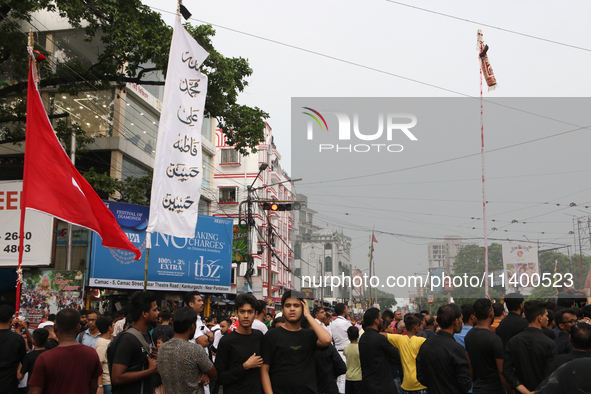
178	171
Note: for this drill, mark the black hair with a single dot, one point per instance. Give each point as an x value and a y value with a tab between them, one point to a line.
513	301
498	308
40	336
164	338
279	319
287	295
316	310
559	318
447	314
140	301
339	309
183	318
424	312
83	312
467	311
166	315
6	313
419	316
260	307
580	336
370	316
67	321
190	297
587	311
91	311
103	323
429	321
227	320
51	317
353	333
388	314
551	315
411	321
533	309
246	298
482	308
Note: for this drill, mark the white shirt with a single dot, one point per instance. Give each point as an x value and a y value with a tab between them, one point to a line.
327	328
339	328
259	325
200	330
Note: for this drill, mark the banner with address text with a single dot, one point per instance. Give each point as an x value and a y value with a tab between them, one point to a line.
202	263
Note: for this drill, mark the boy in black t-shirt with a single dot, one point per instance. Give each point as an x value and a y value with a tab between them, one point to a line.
288	351
40	336
238	359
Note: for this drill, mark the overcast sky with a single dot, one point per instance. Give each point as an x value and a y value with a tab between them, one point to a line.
385	49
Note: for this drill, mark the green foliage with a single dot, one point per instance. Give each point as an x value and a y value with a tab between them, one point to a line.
130	36
133	190
470	261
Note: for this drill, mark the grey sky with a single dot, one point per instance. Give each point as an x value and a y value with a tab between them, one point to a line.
435	50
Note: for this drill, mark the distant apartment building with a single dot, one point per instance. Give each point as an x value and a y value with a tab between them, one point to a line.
442	255
321	252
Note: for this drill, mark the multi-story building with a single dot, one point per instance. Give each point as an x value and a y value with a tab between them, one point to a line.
123	122
320	253
443	254
233	175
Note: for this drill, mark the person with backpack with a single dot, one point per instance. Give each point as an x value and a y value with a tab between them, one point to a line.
105	327
131	355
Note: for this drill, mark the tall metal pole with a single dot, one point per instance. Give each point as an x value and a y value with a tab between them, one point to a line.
483	184
73	158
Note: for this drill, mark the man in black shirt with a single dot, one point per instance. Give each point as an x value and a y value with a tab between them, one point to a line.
565	319
288	351
513	323
134	361
238	359
442	365
13	351
485	352
528	355
374	354
580	337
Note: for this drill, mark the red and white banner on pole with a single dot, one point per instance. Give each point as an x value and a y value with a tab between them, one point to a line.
176	187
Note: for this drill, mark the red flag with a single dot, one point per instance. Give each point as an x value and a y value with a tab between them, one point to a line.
374	238
52	185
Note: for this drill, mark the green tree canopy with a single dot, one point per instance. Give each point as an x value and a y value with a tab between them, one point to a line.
131	36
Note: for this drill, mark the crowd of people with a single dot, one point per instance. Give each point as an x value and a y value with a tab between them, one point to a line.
484	347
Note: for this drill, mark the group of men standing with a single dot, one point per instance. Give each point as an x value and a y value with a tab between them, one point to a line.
472	351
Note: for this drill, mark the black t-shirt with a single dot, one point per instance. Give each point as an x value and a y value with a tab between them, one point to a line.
484	348
163	329
290	355
130	352
29	361
12	353
233	350
572	377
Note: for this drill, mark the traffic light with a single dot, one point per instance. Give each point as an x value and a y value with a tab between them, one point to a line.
281	206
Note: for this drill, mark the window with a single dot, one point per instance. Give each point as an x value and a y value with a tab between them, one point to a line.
230	156
327	292
298	250
328	264
228	194
298	272
328	246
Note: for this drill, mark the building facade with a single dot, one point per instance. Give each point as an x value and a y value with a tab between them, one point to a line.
273	233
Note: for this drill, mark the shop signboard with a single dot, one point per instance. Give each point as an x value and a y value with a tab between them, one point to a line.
38	232
203	263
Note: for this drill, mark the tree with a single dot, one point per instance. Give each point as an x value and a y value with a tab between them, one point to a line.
133	190
135	41
470	261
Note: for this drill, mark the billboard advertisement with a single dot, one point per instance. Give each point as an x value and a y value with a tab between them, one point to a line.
202	263
38	235
46	292
520	261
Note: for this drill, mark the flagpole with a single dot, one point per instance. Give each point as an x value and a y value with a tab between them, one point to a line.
21	237
148	246
73	158
486	293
